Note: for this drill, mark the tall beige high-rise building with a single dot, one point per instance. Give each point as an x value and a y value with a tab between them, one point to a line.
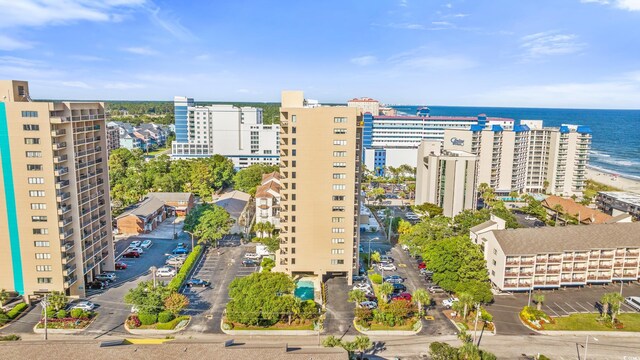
320	157
55	213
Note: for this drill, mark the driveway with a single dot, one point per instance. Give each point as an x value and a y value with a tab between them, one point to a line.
340	312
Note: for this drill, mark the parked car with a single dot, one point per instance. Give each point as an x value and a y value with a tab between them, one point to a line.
106	277
181	245
174	261
121	265
179	250
401	296
370	297
422	265
362	286
386	258
84	305
448	303
139	250
530	218
249	263
388	267
394	279
131	254
426	272
357	278
399	288
97	284
135	244
165	272
435	289
369	305
252	256
146	244
633	301
197	282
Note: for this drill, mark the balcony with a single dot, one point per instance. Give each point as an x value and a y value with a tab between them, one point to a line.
527	262
631	264
62	184
511	273
541	260
64	222
68	281
68	270
555	259
553	271
66	246
69	257
60	159
607	255
67	234
59	145
60	170
580	257
63	209
62	196
58	132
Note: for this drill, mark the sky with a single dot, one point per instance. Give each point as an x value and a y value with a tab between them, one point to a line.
533	53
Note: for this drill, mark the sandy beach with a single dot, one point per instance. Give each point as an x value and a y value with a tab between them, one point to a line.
613	180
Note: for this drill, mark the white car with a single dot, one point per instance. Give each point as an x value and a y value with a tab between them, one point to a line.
633	301
146	244
369	305
530	218
388	267
174	261
84	305
136	249
448	303
252	256
362	287
165	272
135	244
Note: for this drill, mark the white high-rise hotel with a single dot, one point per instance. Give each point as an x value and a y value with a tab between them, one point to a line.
234	132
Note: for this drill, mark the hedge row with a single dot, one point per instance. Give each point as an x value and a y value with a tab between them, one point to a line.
17	310
189	263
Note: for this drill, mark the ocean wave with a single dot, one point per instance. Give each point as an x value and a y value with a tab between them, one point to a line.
614	172
619	162
598	154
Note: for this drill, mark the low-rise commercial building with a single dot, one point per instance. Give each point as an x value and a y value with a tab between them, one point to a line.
553	257
177	203
147	215
619	202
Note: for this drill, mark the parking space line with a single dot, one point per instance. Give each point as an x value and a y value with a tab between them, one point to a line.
586	310
627	306
574	309
550	308
560	307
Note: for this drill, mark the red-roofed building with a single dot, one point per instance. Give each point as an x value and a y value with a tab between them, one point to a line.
366	104
268	199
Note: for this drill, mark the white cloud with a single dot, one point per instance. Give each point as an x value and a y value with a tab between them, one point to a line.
549	43
7	43
403	3
140	50
87	58
170	24
202	57
76	84
364	60
123	85
629	5
406	26
421	59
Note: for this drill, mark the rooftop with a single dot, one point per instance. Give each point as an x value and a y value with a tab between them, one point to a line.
234	202
363	99
144	208
485	225
438	118
171	196
623	196
570	207
550	239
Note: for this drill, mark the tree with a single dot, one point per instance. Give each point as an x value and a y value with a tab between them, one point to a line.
4	296
57	300
404	227
175	302
212	225
356	296
267	264
375	257
605	300
385	290
539	299
442	351
250	177
428	209
362	343
558	209
615	301
421	297
147	298
469	351
466	302
264	229
331	341
513	195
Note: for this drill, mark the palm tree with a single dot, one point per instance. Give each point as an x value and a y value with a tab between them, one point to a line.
331	341
513	195
4	296
539	299
557	208
356	296
385	290
421	296
545	185
466	300
362	343
605	300
615	300
269	228
469	351
259	228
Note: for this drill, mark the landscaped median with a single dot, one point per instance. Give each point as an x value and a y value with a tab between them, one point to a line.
158	309
13	314
592	322
176	283
66	322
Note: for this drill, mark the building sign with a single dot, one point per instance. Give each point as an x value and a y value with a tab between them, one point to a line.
457	142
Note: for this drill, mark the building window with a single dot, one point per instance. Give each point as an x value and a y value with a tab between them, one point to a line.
339	186
36	193
39	218
26	114
494	263
42	268
41	244
493	273
293	174
43	280
337	219
34	167
340	131
33	154
293	197
340	153
30	127
293	250
339	176
337	262
40	231
42	256
293	129
294	152
293	240
293	261
38	206
32	141
338	198
35	180
337	251
339	142
495	251
337	230
339	165
293	186
337	208
339	119
337	241
293	142
293	118
293	164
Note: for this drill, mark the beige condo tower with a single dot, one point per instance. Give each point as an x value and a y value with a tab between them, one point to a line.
320	156
54	194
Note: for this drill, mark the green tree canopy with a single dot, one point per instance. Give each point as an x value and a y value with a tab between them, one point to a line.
249	178
428	209
148	298
213	223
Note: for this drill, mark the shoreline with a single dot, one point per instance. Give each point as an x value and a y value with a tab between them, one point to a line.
615	180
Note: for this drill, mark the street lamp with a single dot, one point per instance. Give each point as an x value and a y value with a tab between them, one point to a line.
190	233
45	303
153	270
586	345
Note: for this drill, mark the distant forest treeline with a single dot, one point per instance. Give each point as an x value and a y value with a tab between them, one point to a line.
161	112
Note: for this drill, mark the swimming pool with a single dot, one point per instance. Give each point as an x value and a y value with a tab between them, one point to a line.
304	290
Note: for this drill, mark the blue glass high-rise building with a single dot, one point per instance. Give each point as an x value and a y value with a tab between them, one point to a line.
181	105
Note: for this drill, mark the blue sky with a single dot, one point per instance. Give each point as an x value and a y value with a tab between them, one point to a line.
538	53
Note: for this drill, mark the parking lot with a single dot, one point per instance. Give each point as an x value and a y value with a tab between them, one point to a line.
560	302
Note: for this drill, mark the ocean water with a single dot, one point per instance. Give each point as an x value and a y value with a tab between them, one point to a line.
615	146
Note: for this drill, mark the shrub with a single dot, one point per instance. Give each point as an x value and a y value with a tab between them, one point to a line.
172	324
12	337
484	315
17	310
4	319
364	314
308	310
77	313
50	313
376	278
133	321
61	314
147	318
165	317
227	325
179	279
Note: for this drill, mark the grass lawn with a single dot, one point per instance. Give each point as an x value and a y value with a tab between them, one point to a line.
406	327
165	326
589	322
279	326
157	151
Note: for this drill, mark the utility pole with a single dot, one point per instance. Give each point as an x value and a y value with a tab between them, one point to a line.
45	304
475	327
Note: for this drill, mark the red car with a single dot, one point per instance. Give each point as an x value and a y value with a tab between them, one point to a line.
121	265
402	296
422	265
131	254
